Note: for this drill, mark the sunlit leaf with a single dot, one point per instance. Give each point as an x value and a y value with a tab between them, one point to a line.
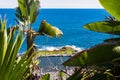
22	5
10	44
112	6
104	27
34	10
27	10
103	53
49	30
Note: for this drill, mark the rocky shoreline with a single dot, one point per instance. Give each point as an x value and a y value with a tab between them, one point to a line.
64	51
54	72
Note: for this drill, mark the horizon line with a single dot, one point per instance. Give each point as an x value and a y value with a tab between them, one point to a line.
58	8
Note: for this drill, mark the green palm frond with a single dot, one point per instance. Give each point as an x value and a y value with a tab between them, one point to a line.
10	44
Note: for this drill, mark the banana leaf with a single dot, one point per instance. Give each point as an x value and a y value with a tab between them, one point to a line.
104	27
49	30
19	15
112	6
27	10
23	7
34	10
100	54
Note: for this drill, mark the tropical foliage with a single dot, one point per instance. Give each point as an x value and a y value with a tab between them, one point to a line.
27	13
10	43
112	6
46	77
109	27
49	30
106	54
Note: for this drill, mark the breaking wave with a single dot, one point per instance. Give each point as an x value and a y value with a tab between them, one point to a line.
52	48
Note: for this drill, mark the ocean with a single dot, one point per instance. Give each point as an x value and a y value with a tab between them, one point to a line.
70	21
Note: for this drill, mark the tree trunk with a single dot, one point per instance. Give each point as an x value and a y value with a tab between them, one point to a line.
30	42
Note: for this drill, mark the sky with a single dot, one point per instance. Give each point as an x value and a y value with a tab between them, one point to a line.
56	4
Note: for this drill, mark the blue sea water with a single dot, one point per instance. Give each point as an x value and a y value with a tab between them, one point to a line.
70	21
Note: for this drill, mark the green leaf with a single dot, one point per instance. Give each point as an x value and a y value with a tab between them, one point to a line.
10	44
103	53
3	44
9	49
46	77
104	27
34	11
27	10
76	75
19	15
116	61
16	46
49	30
3	41
22	5
23	62
100	76
112	6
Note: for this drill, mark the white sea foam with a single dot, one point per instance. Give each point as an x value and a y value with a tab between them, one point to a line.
75	48
51	48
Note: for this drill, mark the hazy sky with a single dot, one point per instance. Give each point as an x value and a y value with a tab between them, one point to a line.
56	4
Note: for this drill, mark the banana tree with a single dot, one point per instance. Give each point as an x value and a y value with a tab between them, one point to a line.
10	43
26	13
103	53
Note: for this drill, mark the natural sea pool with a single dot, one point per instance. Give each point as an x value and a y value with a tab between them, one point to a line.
48	63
